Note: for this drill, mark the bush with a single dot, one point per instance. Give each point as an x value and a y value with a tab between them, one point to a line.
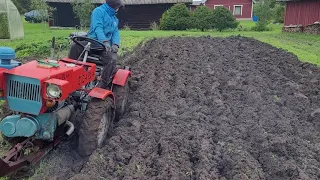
4	27
222	19
201	18
260	26
175	18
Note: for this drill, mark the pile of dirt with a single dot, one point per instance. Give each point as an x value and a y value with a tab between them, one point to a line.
214	108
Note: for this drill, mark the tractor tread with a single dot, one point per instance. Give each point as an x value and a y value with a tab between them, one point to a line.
89	128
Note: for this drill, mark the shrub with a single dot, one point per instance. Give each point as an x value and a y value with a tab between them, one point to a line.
260	26
4	27
222	19
201	18
175	18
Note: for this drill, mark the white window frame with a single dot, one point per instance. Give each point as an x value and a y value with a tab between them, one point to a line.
217	6
234	8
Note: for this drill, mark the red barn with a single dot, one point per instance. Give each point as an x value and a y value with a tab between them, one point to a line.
241	9
302	15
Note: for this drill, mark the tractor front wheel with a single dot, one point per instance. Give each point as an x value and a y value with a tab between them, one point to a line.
97	124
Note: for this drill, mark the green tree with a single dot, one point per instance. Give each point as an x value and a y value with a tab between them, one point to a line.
279	10
175	18
201	18
83	10
23	6
265	14
222	19
42	8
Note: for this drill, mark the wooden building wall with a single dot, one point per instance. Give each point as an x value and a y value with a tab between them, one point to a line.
302	12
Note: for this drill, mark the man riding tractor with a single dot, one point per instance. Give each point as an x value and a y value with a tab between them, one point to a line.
103	28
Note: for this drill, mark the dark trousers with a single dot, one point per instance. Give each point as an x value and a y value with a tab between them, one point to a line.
109	60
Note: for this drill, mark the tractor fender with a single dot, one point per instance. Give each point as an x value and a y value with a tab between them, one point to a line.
121	77
101	93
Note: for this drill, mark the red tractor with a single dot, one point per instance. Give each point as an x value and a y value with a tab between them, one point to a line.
51	100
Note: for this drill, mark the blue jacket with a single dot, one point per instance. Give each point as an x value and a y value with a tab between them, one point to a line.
104	25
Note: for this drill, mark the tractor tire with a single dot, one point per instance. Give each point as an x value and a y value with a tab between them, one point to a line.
121	94
97	124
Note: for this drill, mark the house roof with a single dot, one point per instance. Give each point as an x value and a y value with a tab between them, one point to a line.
199	2
131	2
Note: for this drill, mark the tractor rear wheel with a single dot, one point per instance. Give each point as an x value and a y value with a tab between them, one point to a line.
121	95
97	124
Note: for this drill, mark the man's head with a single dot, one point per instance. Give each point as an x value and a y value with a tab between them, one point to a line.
115	4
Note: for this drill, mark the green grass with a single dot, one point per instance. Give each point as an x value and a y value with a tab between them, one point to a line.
305	46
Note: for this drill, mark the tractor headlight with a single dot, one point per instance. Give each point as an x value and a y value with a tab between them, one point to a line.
53	91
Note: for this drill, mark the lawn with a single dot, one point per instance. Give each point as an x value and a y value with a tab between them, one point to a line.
305	46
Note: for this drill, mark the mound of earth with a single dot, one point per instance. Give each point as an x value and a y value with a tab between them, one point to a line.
214	108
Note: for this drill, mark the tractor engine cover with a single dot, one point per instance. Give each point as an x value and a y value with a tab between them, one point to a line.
42	126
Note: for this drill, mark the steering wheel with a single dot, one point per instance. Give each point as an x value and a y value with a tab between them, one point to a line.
100	46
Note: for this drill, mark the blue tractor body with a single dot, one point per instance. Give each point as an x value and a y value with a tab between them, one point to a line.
23	94
41	127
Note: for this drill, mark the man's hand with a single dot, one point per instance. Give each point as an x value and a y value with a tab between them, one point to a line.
107	45
115	48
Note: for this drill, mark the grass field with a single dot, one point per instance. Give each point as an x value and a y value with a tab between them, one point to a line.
305	46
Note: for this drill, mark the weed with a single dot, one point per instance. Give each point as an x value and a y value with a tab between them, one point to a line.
154	26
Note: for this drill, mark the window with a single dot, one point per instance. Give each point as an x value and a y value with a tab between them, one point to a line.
217	6
237	10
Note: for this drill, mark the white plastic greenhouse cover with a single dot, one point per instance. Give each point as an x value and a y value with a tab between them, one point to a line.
16	29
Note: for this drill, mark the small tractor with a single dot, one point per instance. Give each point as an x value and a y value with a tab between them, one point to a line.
50	100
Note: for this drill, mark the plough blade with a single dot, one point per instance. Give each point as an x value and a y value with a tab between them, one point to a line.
16	158
7	168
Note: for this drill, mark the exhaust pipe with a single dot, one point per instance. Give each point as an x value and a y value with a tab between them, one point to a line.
64	114
71	128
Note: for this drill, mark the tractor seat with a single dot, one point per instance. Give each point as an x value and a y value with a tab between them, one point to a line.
81	33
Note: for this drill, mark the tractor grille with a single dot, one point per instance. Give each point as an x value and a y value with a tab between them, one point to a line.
23	90
23	94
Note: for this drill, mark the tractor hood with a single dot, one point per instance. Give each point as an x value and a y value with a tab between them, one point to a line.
25	86
44	70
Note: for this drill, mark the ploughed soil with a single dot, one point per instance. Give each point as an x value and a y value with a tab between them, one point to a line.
210	108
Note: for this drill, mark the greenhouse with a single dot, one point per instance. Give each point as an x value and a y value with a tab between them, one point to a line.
11	26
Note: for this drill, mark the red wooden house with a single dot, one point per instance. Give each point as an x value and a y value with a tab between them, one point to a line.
241	9
302	15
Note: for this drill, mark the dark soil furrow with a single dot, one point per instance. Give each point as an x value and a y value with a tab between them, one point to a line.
214	108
